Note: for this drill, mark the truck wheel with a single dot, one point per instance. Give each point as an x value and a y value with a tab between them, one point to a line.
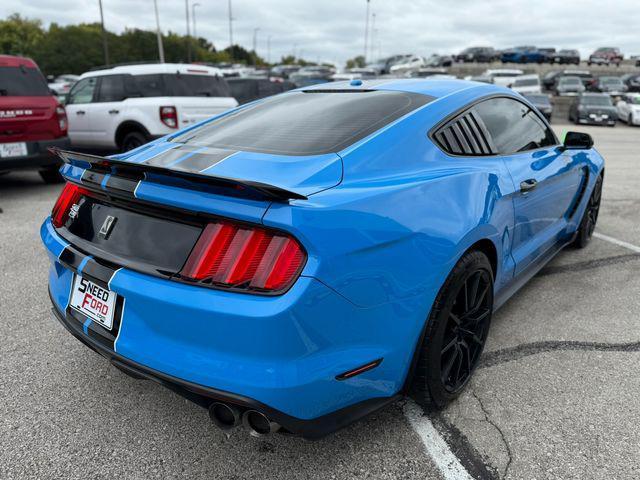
52	175
133	140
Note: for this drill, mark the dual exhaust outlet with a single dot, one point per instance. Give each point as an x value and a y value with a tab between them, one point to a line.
227	416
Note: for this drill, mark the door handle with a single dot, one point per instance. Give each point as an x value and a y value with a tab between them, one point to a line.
528	185
80	112
113	112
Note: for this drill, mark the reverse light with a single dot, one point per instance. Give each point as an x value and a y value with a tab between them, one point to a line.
244	257
70	194
169	116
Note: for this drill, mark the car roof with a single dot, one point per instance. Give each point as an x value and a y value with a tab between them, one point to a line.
15	61
154	68
514	71
436	88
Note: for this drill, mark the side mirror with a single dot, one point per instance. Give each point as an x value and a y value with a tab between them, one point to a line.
578	141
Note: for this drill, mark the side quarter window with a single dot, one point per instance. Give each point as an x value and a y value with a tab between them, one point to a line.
82	92
513	126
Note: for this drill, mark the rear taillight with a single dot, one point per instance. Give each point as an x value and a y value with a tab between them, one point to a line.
244	257
62	118
169	116
70	195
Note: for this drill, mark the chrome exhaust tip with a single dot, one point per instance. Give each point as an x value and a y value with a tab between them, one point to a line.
225	416
258	423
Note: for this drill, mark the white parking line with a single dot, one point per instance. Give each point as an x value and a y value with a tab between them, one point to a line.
436	446
621	243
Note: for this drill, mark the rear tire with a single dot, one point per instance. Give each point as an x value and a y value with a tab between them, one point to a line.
590	216
456	332
51	175
133	140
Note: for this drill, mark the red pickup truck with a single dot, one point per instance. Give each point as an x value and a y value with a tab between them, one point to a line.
31	119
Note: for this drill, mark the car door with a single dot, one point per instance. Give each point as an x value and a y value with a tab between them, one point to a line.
108	110
622	108
546	180
78	107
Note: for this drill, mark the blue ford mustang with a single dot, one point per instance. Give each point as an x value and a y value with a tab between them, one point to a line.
303	260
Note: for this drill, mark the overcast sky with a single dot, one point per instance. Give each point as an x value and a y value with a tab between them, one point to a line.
333	30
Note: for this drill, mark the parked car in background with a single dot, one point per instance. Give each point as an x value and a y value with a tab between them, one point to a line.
527	54
503	76
383	65
439	61
611	85
632	81
548	55
551	78
606	56
63	83
565	56
247	89
427	72
628	108
31	120
126	106
477	54
569	85
284	70
593	109
527	84
542	102
479	78
408	64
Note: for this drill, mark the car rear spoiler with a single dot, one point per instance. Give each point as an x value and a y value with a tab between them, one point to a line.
96	162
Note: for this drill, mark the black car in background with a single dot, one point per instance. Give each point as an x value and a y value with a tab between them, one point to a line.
477	54
593	109
632	81
567	57
248	89
383	65
548	54
551	78
542	102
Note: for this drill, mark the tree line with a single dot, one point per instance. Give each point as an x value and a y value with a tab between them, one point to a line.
78	48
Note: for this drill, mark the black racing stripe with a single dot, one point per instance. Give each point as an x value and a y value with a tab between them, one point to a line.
202	160
71	258
98	271
168	156
121	184
92	178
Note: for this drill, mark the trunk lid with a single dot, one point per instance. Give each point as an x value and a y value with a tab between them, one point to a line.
28	119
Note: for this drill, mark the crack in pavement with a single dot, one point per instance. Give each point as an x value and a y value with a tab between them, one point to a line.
499	430
588	265
511	354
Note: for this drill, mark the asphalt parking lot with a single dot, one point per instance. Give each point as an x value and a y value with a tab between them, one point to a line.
555	397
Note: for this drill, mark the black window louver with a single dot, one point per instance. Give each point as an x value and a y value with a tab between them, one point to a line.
464	135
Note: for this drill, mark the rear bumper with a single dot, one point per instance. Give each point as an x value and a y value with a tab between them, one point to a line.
279	355
38	155
312	429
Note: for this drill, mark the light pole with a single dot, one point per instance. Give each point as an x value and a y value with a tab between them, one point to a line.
372	44
366	33
105	47
230	32
269	50
193	19
186	9
158	33
255	42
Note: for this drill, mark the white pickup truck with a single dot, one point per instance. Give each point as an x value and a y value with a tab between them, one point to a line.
126	106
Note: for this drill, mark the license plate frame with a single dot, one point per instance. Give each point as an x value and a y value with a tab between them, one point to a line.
13	150
93	301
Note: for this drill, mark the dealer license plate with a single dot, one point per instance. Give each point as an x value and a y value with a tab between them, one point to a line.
93	301
13	149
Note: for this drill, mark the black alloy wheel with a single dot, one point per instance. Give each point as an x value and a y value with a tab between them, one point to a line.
590	216
455	333
133	140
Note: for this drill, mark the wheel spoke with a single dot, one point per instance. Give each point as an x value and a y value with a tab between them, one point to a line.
447	369
448	346
474	290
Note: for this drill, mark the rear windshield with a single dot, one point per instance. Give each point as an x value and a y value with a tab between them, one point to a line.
306	123
22	82
526	82
181	85
604	101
